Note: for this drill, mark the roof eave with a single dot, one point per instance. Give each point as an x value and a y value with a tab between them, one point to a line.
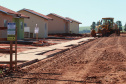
73	20
78	22
50	19
25	17
14	15
58	16
35	14
3	11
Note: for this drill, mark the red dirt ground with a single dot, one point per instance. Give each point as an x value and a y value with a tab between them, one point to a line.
7	47
102	61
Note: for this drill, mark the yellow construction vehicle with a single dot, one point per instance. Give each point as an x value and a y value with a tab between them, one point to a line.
106	27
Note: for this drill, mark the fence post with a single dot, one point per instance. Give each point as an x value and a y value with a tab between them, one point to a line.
11	53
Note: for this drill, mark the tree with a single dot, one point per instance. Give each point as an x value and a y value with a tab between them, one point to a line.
119	25
93	25
125	27
99	23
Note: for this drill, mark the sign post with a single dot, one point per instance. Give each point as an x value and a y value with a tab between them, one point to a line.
16	50
11	55
11	37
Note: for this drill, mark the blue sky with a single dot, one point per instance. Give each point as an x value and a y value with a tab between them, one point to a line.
85	11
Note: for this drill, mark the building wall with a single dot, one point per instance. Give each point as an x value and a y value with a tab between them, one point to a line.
57	25
34	19
3	17
74	27
9	18
3	33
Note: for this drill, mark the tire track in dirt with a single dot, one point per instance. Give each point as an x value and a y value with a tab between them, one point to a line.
121	45
106	44
107	64
50	63
115	76
79	71
85	67
96	61
120	69
67	58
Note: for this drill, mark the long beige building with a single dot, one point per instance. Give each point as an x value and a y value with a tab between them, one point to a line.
36	18
61	24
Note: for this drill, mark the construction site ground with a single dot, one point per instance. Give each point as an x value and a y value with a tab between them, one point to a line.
100	61
31	53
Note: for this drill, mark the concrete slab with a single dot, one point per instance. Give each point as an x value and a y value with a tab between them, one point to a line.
32	54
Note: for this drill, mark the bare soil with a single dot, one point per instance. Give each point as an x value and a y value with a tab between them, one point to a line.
102	61
20	48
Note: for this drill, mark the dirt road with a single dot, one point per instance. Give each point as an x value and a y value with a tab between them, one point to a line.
102	61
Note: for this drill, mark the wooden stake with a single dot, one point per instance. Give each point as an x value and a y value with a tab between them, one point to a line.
16	50
11	53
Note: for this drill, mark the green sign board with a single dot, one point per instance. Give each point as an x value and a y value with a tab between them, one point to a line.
11	31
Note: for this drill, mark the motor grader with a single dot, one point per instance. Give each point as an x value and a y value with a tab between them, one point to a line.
106	28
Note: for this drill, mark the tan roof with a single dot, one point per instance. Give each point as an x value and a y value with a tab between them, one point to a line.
38	14
8	11
58	16
72	20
